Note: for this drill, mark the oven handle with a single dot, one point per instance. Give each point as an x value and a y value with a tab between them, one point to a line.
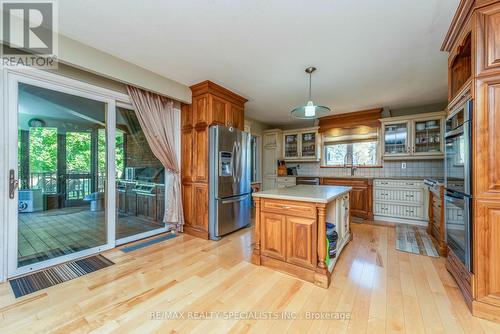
455	132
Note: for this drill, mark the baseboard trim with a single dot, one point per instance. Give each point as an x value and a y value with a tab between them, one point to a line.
402	220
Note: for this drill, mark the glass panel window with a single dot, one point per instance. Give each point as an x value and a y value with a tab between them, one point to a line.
334	154
360	153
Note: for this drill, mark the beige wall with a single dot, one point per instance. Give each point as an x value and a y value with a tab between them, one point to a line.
256	127
85	57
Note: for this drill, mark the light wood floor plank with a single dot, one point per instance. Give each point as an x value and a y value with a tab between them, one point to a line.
377	288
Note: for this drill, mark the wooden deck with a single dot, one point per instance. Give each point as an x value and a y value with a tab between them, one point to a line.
375	288
49	234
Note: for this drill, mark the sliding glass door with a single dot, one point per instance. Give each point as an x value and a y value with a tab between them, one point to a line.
62	207
140	182
78	192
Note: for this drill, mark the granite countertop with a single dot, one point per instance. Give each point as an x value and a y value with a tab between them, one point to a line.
305	193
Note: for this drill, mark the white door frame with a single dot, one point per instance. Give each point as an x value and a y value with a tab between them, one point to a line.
8	141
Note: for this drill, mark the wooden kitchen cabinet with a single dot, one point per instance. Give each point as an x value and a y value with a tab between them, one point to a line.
473	45
219	108
436	226
212	104
200	206
187	203
200	155
415	137
301	241
187	137
200	110
273	238
290	234
235	117
361	196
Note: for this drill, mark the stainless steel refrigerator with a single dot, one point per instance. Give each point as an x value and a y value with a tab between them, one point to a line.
229	181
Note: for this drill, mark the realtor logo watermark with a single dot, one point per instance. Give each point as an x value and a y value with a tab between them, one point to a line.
29	34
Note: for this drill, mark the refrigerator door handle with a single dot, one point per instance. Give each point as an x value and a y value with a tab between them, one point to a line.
235	200
238	161
233	155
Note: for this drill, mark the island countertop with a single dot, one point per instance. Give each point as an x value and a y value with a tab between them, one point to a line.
305	193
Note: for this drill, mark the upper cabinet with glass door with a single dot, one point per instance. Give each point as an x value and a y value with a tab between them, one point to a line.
291	145
301	145
396	138
413	137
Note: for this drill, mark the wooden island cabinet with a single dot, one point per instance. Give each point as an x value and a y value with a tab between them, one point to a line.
212	104
290	230
473	44
361	196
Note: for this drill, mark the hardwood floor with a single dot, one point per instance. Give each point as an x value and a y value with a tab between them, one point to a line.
375	289
48	234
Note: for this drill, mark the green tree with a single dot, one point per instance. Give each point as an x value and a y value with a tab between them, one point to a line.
43	150
78	152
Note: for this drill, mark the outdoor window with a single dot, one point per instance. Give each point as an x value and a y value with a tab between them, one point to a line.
358	146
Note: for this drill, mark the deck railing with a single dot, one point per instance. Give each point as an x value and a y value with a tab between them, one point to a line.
78	184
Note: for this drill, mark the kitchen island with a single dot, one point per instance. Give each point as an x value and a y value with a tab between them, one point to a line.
290	230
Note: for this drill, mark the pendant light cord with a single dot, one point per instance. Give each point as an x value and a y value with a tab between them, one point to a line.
310	79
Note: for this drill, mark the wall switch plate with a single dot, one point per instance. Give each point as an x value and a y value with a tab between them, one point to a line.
403	165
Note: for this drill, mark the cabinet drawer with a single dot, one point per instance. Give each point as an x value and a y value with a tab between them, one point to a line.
399	210
399	195
301	209
286	180
399	183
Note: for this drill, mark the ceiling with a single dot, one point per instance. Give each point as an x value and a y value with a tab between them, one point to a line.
368	54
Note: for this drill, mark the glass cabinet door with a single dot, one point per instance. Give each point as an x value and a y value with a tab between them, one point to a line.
291	145
427	136
308	145
396	138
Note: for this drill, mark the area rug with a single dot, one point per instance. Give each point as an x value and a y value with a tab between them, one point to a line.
414	239
51	276
148	243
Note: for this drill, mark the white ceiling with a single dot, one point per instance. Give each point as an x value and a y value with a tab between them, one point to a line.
368	53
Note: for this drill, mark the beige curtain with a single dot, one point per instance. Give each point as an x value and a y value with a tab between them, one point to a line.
158	117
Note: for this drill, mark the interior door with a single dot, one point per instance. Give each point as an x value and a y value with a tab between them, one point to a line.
44	227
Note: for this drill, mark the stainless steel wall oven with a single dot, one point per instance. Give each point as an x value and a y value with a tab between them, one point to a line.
458	167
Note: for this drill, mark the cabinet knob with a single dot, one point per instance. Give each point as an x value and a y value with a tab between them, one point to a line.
285	207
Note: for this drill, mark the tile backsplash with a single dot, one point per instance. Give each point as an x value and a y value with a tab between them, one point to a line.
414	168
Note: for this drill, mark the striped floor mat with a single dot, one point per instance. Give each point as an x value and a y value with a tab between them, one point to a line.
414	239
51	276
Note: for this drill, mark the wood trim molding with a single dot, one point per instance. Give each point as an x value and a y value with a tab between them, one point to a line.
462	15
370	117
209	87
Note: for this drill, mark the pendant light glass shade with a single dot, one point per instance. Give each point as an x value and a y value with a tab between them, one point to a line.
310	110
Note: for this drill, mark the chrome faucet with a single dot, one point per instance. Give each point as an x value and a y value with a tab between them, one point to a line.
351	166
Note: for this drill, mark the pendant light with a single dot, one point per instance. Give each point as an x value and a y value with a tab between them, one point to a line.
310	110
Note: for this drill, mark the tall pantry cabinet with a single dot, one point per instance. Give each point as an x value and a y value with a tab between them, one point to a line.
473	44
211	104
